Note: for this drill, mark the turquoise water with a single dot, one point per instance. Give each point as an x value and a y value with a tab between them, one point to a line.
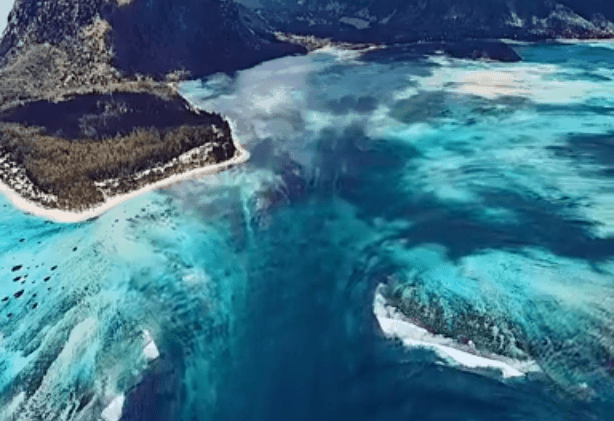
479	193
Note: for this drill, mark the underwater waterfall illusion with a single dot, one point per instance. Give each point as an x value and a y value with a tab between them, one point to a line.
411	239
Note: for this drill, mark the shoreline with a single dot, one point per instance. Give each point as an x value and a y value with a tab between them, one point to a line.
395	325
63	216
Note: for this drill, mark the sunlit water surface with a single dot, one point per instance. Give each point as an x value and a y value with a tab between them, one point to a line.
479	194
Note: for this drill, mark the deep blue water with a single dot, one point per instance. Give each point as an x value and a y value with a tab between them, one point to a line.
480	193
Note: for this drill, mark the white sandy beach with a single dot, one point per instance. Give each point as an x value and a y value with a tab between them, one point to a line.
57	215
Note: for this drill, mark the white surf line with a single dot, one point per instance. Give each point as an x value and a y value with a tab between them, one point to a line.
113	412
150	351
511	41
583	41
396	325
57	215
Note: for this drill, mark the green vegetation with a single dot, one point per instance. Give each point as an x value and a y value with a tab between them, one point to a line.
56	72
71	158
68	169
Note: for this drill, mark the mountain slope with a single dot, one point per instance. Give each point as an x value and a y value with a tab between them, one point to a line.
418	20
124	38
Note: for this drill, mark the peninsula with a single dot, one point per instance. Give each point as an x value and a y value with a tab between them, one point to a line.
75	159
79	133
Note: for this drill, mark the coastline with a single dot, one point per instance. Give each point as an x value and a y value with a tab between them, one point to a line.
395	325
63	216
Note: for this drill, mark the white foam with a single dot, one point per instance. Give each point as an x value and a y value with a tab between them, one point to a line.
474	361
150	351
13	406
601	211
395	325
588	42
542	83
113	411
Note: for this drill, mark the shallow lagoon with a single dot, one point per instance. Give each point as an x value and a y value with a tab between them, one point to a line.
478	192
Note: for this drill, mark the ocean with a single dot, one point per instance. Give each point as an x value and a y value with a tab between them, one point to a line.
404	227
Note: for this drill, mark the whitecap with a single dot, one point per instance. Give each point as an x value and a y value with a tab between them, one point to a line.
113	411
150	351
